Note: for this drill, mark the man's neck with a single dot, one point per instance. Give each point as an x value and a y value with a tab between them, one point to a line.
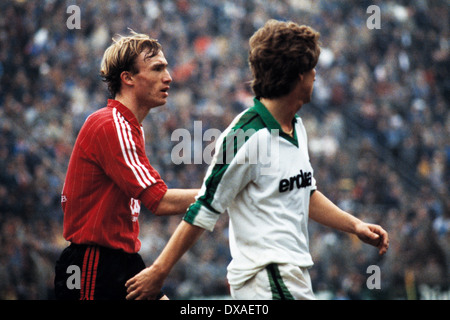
140	112
283	110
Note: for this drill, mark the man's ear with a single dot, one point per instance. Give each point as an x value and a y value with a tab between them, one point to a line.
127	78
300	77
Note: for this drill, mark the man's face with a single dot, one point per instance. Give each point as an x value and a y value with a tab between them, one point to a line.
308	85
151	83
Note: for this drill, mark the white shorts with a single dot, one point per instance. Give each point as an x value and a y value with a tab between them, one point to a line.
277	282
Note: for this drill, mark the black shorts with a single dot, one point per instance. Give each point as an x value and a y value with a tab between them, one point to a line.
90	272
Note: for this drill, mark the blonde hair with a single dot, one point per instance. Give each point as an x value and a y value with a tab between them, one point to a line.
121	56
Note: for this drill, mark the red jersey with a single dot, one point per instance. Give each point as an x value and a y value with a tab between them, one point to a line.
108	176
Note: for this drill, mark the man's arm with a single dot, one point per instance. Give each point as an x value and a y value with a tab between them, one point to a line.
325	212
148	283
176	201
224	188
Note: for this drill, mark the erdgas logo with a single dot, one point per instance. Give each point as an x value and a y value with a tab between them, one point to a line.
301	180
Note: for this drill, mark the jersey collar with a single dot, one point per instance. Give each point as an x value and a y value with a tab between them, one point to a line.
129	116
271	123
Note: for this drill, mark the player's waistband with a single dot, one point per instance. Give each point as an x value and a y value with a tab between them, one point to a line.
104	249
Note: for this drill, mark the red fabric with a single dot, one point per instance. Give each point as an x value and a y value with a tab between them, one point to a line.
108	176
89	273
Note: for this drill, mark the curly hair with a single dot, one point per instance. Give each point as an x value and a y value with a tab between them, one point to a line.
279	52
121	56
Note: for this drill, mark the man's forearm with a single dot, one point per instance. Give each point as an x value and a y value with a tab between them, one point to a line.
184	237
176	201
325	212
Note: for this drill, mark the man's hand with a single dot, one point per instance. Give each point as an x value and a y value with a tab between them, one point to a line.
146	285
325	212
374	235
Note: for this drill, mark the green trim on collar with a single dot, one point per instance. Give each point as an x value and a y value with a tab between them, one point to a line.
272	124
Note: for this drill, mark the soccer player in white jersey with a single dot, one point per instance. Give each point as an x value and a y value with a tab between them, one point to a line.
269	203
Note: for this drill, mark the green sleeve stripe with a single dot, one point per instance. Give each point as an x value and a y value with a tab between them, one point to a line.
234	140
192	212
212	182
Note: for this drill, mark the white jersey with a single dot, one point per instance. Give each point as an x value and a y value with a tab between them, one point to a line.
264	178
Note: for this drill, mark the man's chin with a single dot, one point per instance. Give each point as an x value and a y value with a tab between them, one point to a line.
159	104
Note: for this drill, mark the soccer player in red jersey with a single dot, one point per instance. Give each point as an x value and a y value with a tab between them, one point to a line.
109	176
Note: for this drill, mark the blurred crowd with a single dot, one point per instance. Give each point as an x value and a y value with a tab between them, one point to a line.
378	128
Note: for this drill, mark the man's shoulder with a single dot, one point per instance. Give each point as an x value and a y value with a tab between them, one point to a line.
102	119
101	115
248	120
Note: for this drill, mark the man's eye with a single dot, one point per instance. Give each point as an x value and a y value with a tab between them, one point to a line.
159	68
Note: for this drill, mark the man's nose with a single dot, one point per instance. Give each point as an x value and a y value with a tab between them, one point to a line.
167	78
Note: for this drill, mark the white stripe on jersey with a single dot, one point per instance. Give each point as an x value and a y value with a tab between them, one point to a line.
129	151
141	168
